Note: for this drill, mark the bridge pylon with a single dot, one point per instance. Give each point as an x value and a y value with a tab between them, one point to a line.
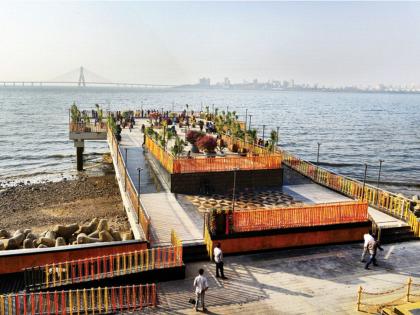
81	81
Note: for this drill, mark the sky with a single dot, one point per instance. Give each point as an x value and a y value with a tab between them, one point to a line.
332	43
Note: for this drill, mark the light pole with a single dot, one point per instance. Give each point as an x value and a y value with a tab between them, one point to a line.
263	132
277	136
250	119
379	173
234	187
246	117
317	155
364	182
139	169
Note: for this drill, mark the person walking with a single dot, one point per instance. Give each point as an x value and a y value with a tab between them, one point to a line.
201	286
373	245
218	259
367	237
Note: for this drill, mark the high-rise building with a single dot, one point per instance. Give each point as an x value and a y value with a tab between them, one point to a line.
204	82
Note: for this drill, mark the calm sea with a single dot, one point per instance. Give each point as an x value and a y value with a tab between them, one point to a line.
352	128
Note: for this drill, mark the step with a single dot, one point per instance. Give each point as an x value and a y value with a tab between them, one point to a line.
195	252
397	234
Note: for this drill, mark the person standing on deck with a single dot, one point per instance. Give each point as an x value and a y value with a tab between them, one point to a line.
218	259
367	237
201	286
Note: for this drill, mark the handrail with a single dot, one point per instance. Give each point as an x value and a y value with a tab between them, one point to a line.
81	301
300	216
102	267
391	203
87	127
178	165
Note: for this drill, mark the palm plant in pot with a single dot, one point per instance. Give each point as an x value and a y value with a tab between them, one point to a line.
192	137
208	144
178	147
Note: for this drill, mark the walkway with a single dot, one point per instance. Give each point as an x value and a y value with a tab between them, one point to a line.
161	205
306	191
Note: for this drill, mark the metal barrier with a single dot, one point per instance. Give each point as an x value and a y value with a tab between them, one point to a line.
130	188
395	205
102	267
165	158
87	127
88	301
374	302
303	216
181	165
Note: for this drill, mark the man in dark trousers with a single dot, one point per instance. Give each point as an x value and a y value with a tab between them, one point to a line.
372	246
218	259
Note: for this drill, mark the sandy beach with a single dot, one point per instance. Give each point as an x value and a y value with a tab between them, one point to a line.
41	206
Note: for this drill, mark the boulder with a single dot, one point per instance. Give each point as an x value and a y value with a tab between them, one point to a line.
27	231
60	241
65	230
4	233
51	235
105	236
90	228
103	225
42	246
31	236
116	235
94	234
1	245
82	238
28	243
46	241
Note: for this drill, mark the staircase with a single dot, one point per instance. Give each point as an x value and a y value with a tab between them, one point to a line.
194	252
396	234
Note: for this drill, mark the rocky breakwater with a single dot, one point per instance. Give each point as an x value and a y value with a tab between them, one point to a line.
61	235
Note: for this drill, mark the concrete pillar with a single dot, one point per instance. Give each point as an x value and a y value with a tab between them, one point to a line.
80	146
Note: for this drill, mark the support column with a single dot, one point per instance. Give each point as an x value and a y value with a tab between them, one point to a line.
80	146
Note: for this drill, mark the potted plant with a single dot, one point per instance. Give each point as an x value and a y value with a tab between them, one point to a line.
243	152
208	144
192	137
178	147
221	146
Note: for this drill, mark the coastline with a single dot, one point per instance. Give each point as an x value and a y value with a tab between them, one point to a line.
41	206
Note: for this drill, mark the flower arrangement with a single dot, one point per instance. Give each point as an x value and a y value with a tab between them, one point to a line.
207	143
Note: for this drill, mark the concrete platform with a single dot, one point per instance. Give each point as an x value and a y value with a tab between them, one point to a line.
317	280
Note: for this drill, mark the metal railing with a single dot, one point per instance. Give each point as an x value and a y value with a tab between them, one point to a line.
84	301
181	165
393	204
102	267
302	216
87	127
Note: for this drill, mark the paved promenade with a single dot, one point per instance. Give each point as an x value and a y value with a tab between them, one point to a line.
319	280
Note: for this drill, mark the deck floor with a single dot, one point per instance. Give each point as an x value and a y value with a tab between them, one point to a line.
162	206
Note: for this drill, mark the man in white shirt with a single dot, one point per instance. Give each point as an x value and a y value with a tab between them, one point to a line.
218	259
201	286
368	238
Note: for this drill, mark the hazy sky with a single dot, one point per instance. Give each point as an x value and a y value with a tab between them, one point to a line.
324	42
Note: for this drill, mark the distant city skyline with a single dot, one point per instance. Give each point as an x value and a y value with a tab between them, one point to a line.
329	43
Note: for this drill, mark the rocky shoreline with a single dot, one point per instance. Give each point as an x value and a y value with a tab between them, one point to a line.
42	206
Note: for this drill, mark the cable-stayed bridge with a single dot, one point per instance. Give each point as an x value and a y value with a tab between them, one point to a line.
81	77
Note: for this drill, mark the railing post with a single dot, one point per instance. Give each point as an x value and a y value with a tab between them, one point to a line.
408	288
359	297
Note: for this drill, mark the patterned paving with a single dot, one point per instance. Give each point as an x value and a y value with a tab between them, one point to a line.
244	200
